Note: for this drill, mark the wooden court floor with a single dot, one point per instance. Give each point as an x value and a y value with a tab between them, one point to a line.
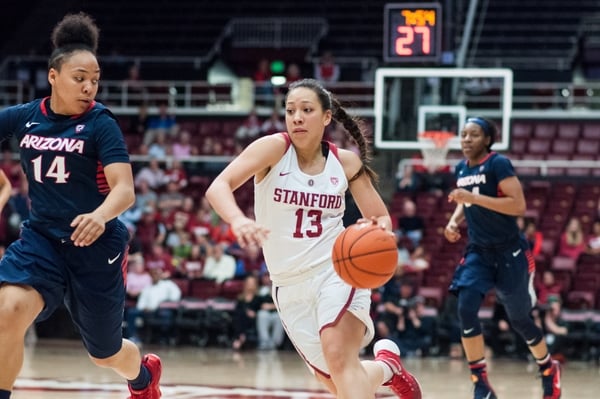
56	369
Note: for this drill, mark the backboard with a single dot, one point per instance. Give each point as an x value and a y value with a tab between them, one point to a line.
413	100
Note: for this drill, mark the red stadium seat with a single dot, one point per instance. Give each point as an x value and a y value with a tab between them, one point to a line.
569	131
545	131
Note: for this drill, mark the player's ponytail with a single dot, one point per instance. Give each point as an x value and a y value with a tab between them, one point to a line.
73	33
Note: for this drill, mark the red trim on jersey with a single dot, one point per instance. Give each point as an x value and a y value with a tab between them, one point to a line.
43	106
288	140
45	110
333	148
101	182
483	160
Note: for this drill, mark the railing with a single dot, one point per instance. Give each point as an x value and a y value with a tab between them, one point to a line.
530	100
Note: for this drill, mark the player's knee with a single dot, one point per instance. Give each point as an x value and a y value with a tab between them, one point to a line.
468	309
16	312
527	329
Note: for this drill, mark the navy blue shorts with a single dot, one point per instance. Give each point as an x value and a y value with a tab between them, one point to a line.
89	280
509	270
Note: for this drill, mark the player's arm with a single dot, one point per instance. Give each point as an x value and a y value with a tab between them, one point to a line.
256	160
89	226
367	199
5	189
512	202
452	231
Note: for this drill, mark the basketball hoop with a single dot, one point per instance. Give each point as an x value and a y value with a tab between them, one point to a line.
435	148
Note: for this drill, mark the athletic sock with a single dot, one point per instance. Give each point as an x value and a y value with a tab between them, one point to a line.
140	382
545	362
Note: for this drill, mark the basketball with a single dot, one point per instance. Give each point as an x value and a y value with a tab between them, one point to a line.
365	255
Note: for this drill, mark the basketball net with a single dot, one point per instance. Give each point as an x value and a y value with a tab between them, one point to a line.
435	149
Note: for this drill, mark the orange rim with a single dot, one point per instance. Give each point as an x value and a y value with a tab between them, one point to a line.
439	138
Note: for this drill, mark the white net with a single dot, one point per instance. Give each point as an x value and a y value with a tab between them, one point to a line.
435	149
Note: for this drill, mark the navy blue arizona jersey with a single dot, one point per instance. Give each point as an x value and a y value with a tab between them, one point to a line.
63	158
485	227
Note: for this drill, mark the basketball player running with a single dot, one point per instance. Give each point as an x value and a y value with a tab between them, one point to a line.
73	249
299	183
490	197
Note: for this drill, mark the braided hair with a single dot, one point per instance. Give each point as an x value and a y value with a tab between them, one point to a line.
353	125
75	32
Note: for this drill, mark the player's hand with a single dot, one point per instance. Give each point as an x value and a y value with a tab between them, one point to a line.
248	232
452	232
374	221
88	227
461	196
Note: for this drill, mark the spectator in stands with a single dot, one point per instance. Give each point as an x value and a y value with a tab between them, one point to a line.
159	148
250	261
170	200
263	88
503	340
572	240
165	122
138	123
131	217
593	242
272	125
415	331
449	327
532	234
410	224
249	129
396	294
418	260
183	148
555	327
145	196
222	232
547	287
244	316
194	264
11	168
148	305
159	258
292	73
219	265
268	324
153	174
138	277
134	87
150	230
327	70
177	173
407	179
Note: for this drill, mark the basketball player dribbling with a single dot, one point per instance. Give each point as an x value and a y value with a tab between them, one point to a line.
299	182
72	249
490	197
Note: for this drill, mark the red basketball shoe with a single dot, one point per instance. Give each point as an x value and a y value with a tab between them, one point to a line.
152	391
404	384
551	381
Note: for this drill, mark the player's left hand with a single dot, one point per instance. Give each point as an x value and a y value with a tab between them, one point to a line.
88	227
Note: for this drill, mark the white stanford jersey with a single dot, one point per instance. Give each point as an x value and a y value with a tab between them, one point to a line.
303	213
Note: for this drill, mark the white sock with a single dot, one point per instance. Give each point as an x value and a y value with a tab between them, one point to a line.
387	372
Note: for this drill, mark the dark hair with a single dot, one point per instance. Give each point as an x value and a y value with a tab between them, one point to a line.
353	125
487	126
74	32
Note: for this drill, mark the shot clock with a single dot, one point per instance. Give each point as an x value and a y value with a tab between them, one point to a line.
412	32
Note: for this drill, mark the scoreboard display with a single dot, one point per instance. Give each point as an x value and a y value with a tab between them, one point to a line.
412	32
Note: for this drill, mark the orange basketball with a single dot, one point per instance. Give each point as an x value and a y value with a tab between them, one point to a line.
365	255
